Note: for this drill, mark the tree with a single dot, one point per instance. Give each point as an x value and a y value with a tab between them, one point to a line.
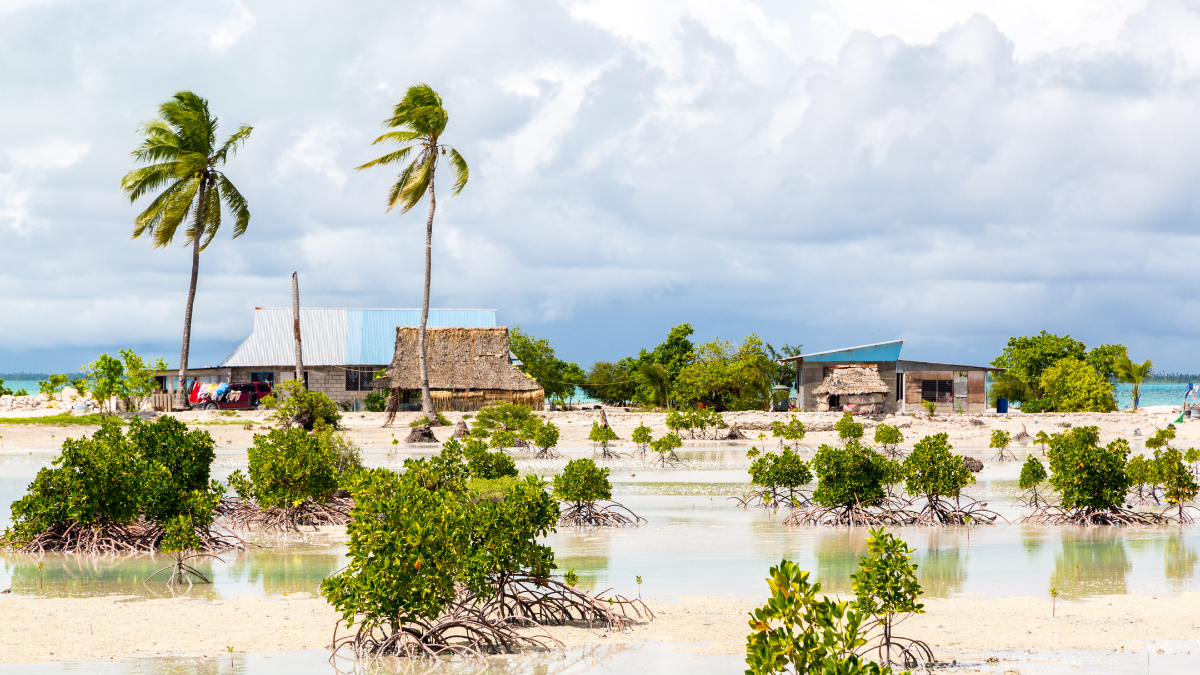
792	431
611	383
735	378
780	476
419	120
641	436
889	438
848	476
1000	442
885	586
1026	358
1178	483
1134	373
1071	385
557	377
794	632
289	469
139	378
602	435
1087	475
848	429
107	377
581	485
180	148
1107	360
296	406
936	473
655	379
1032	475
506	416
664	446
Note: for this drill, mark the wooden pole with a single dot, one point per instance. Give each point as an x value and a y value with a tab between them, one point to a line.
296	326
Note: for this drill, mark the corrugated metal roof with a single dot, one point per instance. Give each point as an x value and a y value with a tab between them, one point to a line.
337	337
880	351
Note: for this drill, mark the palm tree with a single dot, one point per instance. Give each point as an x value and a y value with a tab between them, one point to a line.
656	378
420	120
180	147
1134	373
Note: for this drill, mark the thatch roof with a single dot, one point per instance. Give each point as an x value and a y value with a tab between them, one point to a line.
852	381
457	358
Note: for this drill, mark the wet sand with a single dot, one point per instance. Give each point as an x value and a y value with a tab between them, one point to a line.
53	629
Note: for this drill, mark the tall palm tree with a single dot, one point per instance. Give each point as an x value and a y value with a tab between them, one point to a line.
656	378
420	120
1134	373
180	148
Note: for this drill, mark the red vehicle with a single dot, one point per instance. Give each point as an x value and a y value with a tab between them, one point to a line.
237	396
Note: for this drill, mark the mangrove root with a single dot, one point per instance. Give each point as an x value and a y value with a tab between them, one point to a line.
590	514
248	515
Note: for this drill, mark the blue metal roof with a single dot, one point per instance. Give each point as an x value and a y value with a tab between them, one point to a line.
880	351
340	337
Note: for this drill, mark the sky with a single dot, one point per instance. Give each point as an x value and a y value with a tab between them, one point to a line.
826	173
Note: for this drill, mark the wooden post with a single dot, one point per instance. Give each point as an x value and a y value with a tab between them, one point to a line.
296	325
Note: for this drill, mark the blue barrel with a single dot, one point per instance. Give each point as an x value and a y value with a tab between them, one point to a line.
1001	405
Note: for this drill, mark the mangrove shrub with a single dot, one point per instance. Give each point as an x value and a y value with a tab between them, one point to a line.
1086	474
849	475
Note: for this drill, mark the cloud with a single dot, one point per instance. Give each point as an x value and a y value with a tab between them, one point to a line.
947	172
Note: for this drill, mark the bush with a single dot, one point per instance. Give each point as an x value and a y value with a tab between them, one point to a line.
1000	439
296	406
934	471
889	437
848	429
602	435
811	635
582	481
1178	482
506	416
349	455
439	421
546	437
1161	438
491	488
1086	474
481	463
287	468
792	431
376	401
1032	473
1072	385
666	444
501	439
849	475
642	436
779	473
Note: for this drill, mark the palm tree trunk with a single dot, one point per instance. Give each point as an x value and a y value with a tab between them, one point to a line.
181	396
426	397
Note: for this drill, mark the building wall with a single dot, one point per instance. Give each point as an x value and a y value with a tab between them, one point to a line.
328	379
976	389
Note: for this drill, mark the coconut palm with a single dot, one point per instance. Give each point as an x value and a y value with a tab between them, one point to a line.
180	148
655	378
419	120
1134	373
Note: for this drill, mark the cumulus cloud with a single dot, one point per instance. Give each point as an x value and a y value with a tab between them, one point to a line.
951	173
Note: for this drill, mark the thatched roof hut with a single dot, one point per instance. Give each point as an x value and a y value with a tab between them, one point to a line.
473	363
843	381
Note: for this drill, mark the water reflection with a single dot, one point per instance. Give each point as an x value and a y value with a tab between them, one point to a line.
838	552
1179	562
1032	540
1091	562
66	575
942	569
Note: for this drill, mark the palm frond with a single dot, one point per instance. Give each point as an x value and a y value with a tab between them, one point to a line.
397	137
461	172
232	144
139	181
211	218
390	158
419	181
150	220
173	208
656	377
421	111
188	114
237	205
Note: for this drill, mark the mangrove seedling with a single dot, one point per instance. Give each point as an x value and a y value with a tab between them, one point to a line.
887	590
664	447
1178	483
1042	438
848	429
504	417
545	439
779	479
792	432
939	476
795	632
889	438
1000	441
293	483
639	583
1091	482
642	436
849	490
580	487
603	435
1033	473
570	578
1053	600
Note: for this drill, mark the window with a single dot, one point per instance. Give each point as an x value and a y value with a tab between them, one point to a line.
359	378
941	391
268	377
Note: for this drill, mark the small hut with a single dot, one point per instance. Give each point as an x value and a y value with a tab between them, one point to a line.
468	367
856	389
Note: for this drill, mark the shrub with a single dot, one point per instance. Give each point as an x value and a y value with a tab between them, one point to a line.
784	472
484	464
1000	439
792	431
677	421
52	385
480	432
666	444
582	481
602	435
349	455
934	471
1032	473
848	475
930	407
809	635
1178	482
288	467
1161	438
376	401
296	406
886	585
1141	474
642	436
1086	474
506	416
1072	385
505	533
491	488
889	437
546	437
848	429
501	439
439	420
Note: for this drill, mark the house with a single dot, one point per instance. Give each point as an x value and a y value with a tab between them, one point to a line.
472	367
857	388
952	387
343	349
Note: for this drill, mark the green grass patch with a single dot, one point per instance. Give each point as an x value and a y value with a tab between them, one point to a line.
64	420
